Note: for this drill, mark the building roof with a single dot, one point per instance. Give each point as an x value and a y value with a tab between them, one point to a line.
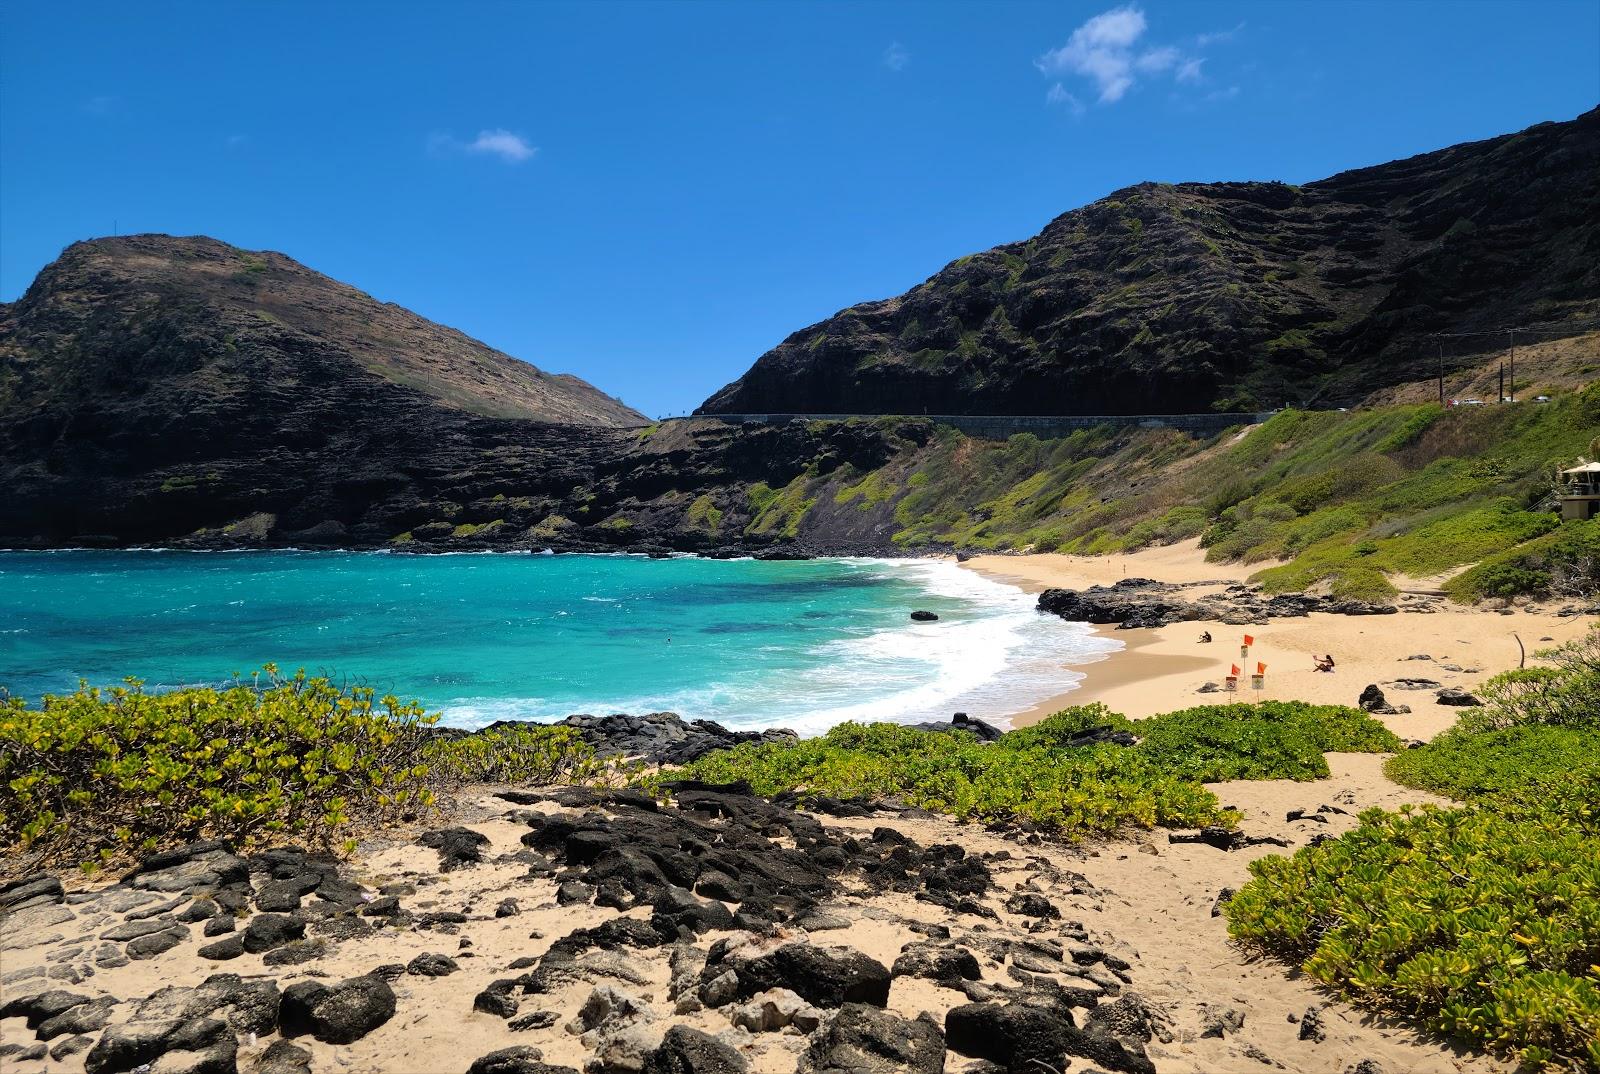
1586	468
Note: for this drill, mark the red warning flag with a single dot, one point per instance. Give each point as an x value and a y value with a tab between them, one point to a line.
1261	669
1235	670
1248	640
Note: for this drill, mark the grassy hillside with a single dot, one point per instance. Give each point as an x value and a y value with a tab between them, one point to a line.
1346	499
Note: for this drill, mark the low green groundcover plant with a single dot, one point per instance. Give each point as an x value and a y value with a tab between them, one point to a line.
93	774
1038	777
1512	762
1563	693
1212	743
1481	922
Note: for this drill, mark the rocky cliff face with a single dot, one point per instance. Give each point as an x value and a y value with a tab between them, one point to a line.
154	388
1232	296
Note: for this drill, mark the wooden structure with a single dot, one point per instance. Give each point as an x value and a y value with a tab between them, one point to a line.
1580	492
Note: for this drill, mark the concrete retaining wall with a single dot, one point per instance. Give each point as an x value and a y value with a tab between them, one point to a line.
1002	426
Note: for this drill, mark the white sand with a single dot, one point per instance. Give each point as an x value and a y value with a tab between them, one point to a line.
1163	669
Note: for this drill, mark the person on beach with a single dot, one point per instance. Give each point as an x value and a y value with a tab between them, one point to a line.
1324	663
1205	637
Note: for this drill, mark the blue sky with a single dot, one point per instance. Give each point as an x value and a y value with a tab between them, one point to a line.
651	195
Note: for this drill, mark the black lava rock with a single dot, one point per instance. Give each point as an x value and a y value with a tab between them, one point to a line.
337	1014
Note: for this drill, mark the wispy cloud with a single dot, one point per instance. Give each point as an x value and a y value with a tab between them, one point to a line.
236	141
102	105
498	142
895	57
1218	37
1111	53
1058	95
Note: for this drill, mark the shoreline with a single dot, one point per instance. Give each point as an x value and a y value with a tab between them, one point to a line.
1161	669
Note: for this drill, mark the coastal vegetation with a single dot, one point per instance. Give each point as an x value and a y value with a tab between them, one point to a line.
1064	775
1481	922
1334	499
99	774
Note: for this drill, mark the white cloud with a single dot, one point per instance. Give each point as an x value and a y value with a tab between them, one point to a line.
1058	95
1218	37
1156	60
895	57
1100	50
503	144
1109	51
509	147
234	141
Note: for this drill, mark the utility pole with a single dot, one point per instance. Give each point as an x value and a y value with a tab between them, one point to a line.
1440	341
1502	382
1513	396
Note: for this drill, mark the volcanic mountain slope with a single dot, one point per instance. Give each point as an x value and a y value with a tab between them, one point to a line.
196	306
153	386
1231	296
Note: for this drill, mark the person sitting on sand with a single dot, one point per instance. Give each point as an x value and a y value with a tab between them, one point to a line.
1205	637
1324	663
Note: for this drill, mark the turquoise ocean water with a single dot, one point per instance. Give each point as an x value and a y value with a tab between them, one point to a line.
512	636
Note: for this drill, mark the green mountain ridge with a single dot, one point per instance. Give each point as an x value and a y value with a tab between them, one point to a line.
1224	296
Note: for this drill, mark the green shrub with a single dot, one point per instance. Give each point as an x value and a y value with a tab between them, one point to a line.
1533	569
1512	762
1037	776
517	753
1566	694
1094	790
1481	925
1212	743
96	773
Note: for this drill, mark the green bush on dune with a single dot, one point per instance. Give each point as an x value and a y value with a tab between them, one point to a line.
101	772
1095	789
1212	743
1539	568
1481	922
1037	776
1476	923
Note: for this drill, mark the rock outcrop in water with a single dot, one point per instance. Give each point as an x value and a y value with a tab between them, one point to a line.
1163	299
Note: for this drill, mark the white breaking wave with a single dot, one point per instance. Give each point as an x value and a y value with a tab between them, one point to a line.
995	658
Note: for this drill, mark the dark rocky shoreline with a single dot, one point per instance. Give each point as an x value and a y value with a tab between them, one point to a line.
718	860
1142	602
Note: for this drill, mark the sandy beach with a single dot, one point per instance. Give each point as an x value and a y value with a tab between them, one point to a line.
1163	669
